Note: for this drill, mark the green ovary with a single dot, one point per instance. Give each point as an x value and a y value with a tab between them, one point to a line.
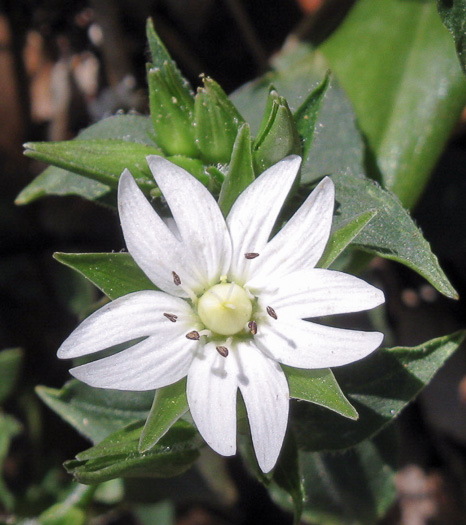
225	308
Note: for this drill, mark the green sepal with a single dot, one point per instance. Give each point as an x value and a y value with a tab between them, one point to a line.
172	111
306	115
278	136
118	456
319	387
193	166
102	160
170	403
240	170
216	122
341	237
115	274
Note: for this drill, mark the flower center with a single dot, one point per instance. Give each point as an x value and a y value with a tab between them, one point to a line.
225	308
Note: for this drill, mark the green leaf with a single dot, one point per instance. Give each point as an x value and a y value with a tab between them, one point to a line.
398	65
96	412
319	387
10	366
170	403
391	233
338	146
116	274
341	237
453	14
278	137
379	387
353	488
118	456
56	181
216	122
307	113
102	160
240	171
287	476
9	428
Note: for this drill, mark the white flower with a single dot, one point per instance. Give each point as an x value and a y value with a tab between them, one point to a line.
232	303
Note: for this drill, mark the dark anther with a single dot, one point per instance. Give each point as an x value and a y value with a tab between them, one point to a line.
171	317
194	336
271	312
252	325
251	255
176	278
222	350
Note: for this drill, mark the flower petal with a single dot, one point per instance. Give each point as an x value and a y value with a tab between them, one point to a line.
198	219
155	249
255	211
211	390
150	364
265	392
303	344
300	243
319	292
138	314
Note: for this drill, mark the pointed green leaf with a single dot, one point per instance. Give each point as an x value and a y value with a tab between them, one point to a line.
116	274
9	428
172	111
56	181
341	237
216	122
354	487
96	412
240	171
307	114
398	65
453	14
379	387
287	475
170	403
319	387
102	160
193	166
10	367
279	136
392	233
118	456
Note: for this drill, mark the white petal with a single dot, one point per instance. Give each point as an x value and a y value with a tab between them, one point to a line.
303	344
150	242
255	211
320	292
198	219
135	315
265	392
153	363
301	242
211	390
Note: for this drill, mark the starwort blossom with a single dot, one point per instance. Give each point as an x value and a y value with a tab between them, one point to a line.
232	303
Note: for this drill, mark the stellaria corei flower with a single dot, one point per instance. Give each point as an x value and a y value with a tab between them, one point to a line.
232	303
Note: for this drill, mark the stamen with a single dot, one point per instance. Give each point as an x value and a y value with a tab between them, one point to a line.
252	325
171	317
271	312
251	255
176	278
222	350
194	336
